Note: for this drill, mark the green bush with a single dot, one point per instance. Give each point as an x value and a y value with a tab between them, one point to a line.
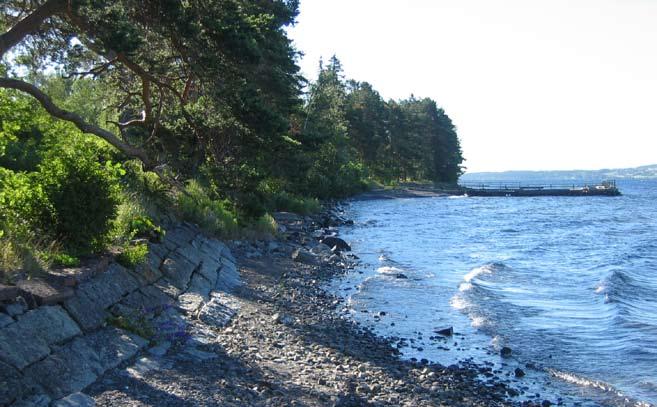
211	215
284	201
132	256
66	260
84	195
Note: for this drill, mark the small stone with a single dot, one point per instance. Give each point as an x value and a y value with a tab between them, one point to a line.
505	352
519	372
16	308
75	400
445	331
8	293
5	320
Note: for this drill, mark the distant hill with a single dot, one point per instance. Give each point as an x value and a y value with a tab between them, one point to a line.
643	172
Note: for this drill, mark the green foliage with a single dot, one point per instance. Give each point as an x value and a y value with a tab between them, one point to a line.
132	256
265	226
65	260
286	202
84	198
211	215
143	227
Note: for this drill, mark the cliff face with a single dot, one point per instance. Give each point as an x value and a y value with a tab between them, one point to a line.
68	340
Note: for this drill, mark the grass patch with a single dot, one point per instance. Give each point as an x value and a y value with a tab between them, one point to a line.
212	215
132	256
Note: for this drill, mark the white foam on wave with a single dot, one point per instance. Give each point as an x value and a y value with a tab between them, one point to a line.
476	272
580	381
465	287
478	322
458	302
457	196
389	270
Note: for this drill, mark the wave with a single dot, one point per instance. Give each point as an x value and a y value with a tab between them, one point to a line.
389	270
610	394
489	268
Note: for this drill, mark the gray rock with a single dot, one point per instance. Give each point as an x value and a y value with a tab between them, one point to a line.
16	308
77	364
304	256
200	285
50	323
445	331
226	254
87	313
322	250
161	349
209	247
44	327
167	287
283	319
5	320
190	302
229	278
178	236
38	400
340	244
272	246
210	269
8	293
10	387
45	293
158	251
75	400
145	365
158	299
216	313
197	355
178	269
109	287
149	272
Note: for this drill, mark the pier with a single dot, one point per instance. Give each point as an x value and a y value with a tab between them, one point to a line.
605	188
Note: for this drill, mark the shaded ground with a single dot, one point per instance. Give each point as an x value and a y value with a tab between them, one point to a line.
287	348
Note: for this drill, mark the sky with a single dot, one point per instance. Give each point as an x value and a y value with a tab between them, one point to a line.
530	85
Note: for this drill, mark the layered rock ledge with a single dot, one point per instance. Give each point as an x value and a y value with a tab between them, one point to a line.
70	338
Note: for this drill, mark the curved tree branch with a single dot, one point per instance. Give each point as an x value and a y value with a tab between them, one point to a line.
76	119
30	24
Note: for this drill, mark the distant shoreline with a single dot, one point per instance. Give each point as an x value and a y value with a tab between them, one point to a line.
405	192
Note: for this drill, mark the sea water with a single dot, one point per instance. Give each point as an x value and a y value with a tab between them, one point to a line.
568	283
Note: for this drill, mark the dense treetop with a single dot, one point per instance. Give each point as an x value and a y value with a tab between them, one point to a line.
98	95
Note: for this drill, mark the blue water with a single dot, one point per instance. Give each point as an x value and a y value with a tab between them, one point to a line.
568	283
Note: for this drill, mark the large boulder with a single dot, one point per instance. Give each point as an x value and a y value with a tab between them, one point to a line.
339	244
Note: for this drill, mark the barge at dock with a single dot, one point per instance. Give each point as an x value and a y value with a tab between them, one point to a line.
606	188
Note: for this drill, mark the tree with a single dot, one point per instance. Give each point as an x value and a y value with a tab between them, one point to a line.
189	81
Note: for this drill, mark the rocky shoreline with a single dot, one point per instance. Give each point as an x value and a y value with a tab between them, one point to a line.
288	346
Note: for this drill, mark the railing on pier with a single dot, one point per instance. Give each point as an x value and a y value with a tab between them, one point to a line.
501	185
504	188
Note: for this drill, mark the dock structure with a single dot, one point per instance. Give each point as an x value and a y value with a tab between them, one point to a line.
605	188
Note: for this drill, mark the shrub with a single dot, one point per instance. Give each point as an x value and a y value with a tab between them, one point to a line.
65	260
284	201
84	195
211	215
132	256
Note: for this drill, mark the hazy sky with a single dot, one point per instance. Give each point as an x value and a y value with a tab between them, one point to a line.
553	84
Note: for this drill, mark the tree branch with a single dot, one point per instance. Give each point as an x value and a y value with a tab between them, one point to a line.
30	24
78	121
